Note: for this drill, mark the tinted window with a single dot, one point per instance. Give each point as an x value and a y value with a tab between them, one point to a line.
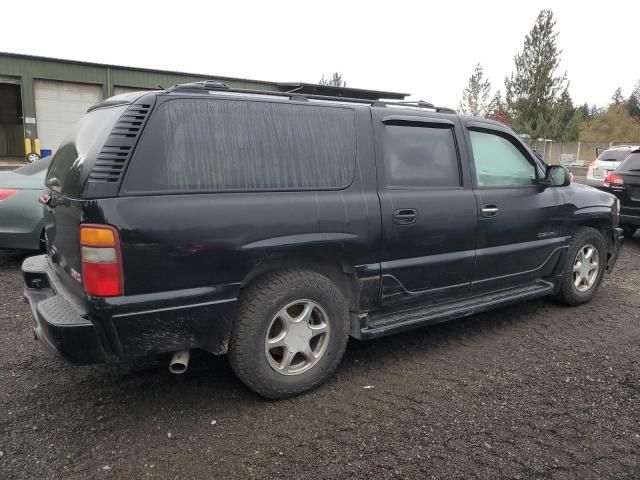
35	167
76	155
209	145
499	163
613	155
631	163
416	156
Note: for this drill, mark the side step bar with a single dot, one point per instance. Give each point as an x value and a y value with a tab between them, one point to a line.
393	321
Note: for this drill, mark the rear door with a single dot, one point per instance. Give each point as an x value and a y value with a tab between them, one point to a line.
428	208
520	224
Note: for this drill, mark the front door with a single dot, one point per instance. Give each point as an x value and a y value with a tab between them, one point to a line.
428	208
520	229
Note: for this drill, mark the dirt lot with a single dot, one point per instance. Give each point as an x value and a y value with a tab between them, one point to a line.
531	391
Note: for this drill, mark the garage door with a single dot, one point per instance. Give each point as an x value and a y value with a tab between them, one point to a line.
59	105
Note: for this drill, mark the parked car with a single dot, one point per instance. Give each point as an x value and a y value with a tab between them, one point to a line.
607	162
624	183
21	219
271	227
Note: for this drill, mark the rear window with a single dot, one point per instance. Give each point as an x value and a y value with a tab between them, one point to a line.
420	156
76	155
613	155
632	162
239	145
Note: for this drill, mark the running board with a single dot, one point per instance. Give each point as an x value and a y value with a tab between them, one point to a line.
386	323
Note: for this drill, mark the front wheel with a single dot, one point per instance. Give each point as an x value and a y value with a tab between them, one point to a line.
290	333
584	267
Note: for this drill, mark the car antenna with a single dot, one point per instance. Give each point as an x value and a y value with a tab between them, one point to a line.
162	88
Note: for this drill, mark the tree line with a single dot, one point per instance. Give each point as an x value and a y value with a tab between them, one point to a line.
537	102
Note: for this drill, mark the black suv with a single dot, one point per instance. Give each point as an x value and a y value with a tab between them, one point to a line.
273	226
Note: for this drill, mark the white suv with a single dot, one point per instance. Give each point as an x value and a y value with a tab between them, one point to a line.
607	162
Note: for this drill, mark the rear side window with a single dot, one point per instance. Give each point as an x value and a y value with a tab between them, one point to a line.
236	145
631	163
76	155
420	156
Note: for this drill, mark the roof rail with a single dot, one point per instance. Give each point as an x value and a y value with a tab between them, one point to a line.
213	85
204	85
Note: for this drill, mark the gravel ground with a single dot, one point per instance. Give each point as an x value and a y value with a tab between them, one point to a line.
536	390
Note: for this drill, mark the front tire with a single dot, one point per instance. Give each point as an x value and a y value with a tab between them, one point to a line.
584	267
289	334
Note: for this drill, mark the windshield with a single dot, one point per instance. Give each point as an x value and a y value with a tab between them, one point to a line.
613	155
35	167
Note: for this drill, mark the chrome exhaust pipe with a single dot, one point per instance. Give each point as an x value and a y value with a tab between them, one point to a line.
179	362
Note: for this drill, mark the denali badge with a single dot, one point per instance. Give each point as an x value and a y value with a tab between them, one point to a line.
76	276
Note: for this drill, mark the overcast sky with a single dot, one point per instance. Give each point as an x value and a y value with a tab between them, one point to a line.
424	48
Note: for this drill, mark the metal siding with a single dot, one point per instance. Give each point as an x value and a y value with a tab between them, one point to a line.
28	69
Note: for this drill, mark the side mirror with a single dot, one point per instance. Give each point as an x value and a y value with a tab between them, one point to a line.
557	176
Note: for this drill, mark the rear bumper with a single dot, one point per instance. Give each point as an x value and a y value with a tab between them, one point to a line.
59	325
125	327
618	238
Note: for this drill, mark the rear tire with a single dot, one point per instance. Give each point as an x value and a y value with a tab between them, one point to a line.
584	267
255	354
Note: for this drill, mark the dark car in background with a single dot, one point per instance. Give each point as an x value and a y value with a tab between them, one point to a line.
273	226
624	183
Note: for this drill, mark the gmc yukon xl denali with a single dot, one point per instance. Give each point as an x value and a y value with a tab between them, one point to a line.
271	227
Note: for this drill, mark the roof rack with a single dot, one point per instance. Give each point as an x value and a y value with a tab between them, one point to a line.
214	85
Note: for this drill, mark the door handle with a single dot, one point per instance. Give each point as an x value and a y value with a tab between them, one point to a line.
405	216
489	211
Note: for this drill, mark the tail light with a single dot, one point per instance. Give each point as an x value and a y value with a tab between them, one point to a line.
101	261
613	179
6	193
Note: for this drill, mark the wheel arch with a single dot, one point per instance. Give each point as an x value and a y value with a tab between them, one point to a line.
335	267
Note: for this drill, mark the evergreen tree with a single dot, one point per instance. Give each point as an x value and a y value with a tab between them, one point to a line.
585	111
617	98
565	121
633	103
497	109
533	90
335	80
475	97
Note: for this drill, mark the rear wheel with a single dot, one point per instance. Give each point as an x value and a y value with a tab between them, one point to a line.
584	267
290	333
